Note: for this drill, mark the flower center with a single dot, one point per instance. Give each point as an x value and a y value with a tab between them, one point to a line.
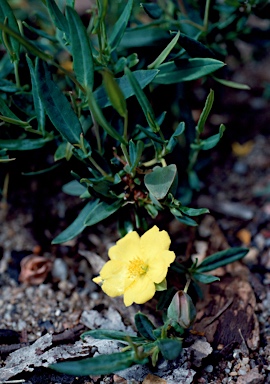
137	267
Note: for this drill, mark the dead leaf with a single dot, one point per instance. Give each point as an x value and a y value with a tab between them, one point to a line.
152	379
34	269
242	149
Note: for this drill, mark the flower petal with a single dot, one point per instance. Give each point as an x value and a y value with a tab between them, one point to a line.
126	248
158	267
153	242
112	275
140	291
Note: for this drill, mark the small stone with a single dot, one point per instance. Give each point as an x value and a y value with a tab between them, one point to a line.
233	373
252	377
242	371
60	269
209	368
245	360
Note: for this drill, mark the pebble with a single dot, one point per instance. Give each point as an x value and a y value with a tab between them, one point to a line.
209	368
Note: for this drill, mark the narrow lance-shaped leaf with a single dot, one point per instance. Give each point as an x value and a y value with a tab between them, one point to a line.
144	326
23	41
186	70
162	57
205	112
143	101
173	139
144	77
212	141
57	106
114	93
221	258
110	334
99	365
98	115
25	144
101	212
81	50
6	12
39	108
78	224
120	26
232	84
57	16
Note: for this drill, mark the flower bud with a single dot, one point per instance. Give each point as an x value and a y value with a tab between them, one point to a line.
182	309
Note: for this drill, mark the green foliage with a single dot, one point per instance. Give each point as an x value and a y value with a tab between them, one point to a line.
123	143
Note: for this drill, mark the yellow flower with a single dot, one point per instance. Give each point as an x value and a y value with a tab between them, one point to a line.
136	264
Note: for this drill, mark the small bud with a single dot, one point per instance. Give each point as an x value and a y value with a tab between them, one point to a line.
182	309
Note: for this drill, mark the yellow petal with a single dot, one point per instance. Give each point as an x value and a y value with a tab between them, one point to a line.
97	280
158	267
153	242
126	248
140	291
112	275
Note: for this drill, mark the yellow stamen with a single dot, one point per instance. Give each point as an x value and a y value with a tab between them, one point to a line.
137	267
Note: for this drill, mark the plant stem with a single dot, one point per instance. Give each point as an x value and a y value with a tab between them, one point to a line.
95	164
187	285
126	126
206	15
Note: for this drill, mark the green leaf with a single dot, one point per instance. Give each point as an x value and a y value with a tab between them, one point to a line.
56	105
187	221
135	153
161	286
120	26
114	93
39	109
232	84
193	211
152	10
97	112
6	112
81	50
144	38
99	365
73	188
101	211
203	278
109	334
144	326
170	348
186	70
6	12
25	144
144	77
25	42
64	151
222	258
194	47
57	16
212	141
162	57
205	112
78	224
160	180
143	101
165	298
173	139
150	134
